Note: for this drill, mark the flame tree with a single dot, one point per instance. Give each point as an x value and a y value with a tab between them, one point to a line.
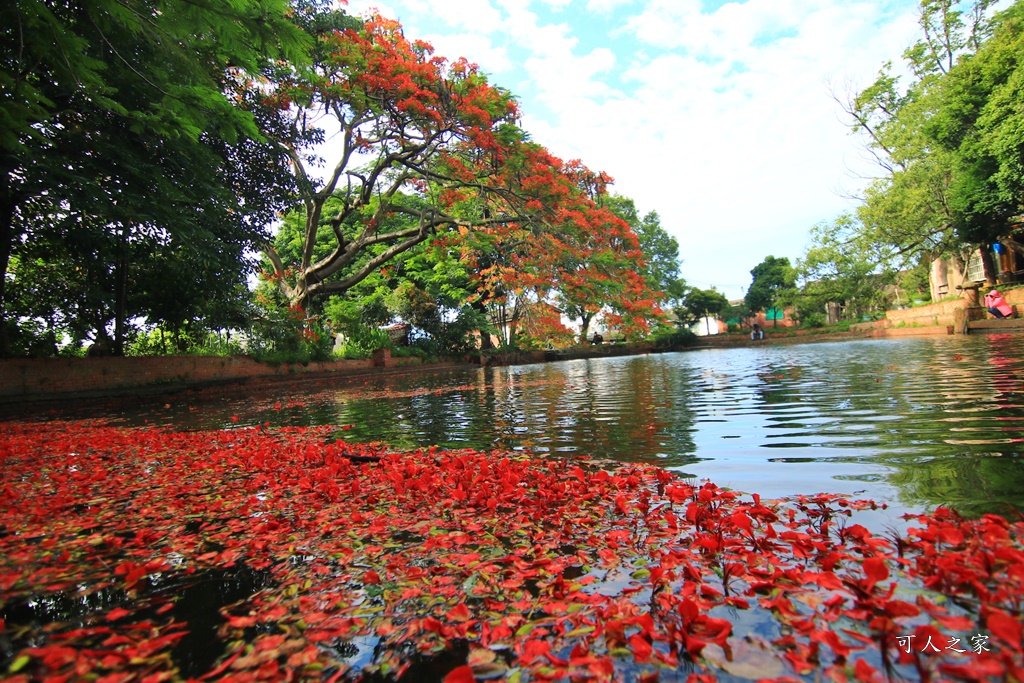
419	146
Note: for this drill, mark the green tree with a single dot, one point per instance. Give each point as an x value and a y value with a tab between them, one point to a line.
738	311
426	286
661	264
981	122
119	131
773	285
949	141
412	132
703	304
839	268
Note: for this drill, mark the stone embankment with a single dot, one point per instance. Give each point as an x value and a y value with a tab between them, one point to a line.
56	379
50	380
953	316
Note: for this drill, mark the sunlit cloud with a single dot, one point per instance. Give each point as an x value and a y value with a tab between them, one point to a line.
723	121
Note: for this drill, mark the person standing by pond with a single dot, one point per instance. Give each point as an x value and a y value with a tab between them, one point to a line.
756	333
997	306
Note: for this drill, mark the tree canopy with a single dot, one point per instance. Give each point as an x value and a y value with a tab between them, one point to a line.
702	304
840	268
430	151
774	282
123	156
949	140
149	148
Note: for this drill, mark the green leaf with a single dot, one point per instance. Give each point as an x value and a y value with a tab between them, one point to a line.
19	664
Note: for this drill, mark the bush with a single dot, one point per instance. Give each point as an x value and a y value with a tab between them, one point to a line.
409	352
672	338
812	320
440	338
183	342
363	340
288	335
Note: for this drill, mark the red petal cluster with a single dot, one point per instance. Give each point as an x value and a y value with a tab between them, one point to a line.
535	569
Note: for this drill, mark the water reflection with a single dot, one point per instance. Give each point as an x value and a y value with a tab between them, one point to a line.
195	600
914	422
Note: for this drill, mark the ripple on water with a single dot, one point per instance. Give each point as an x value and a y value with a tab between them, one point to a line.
918	422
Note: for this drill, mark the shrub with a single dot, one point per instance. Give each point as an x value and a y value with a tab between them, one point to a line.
812	320
669	338
288	335
363	340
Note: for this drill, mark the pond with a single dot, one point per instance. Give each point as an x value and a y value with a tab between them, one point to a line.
913	422
245	548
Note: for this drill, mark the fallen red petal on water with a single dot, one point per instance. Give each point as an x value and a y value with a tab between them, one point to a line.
462	674
417	551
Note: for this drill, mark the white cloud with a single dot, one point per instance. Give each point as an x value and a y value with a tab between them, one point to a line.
477	16
606	6
481	50
523	27
557	5
721	121
731	133
365	7
563	79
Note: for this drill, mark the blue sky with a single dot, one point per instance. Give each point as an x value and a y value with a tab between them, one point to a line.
720	116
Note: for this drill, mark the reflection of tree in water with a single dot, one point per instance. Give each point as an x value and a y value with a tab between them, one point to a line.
195	600
1006	369
624	409
971	485
977	467
943	418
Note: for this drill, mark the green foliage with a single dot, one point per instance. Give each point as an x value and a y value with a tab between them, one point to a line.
146	148
660	250
185	342
669	337
698	304
286	334
951	141
982	123
351	314
363	340
840	268
123	152
739	312
773	285
180	52
812	320
451	332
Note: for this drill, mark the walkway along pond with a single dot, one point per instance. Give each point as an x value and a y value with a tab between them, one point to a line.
488	542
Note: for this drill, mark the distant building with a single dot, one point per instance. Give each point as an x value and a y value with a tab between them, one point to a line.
1004	261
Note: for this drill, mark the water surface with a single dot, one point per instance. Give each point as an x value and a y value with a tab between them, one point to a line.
913	422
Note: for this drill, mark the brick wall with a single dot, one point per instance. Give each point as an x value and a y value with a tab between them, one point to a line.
36	378
944	312
941	313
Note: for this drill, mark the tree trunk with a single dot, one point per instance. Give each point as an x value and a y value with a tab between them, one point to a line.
485	335
585	327
7	237
121	292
